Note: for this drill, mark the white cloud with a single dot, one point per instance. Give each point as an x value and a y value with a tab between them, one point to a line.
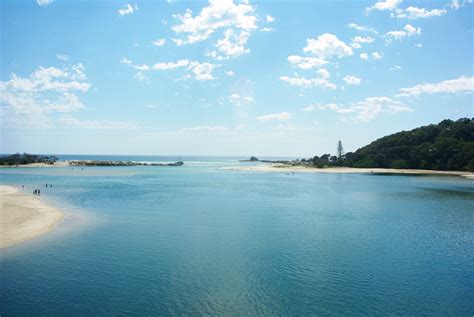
455	4
361	28
269	18
178	42
230	73
322	80
62	57
218	14
352	80
374	56
396	67
356	45
326	46
45	99
31	101
335	107
374	106
237	21
310	108
128	9
419	45
416	13
238	100
321	49
408	30
151	106
267	29
387	5
95	124
459	85
65	103
232	45
202	71
171	65
367	110
298	81
140	76
361	39
125	61
141	67
205	130
306	62
44	3
49	79
281	116
159	42
377	55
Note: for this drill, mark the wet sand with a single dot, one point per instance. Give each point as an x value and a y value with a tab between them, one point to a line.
24	216
343	170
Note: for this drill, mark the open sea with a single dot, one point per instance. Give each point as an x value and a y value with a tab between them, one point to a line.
201	240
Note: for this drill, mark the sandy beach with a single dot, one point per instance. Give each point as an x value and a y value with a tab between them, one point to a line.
24	216
343	170
55	164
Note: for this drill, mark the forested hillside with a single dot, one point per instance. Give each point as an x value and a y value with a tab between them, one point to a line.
448	145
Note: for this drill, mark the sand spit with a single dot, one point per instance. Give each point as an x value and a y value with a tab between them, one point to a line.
282	168
24	217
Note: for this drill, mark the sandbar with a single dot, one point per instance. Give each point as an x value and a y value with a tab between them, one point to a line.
24	216
283	168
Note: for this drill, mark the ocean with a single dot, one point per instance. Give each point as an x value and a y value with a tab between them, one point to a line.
201	240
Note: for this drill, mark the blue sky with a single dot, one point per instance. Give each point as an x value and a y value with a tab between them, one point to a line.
275	78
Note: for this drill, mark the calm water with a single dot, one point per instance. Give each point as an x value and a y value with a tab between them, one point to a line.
197	240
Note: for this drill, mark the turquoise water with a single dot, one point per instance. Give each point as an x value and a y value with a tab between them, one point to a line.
197	240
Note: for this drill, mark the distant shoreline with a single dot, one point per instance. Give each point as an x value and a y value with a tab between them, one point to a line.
90	163
24	217
273	167
55	164
345	170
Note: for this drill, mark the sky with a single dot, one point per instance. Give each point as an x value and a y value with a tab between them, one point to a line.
264	78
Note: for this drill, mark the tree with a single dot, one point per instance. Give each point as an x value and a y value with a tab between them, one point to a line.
340	153
340	150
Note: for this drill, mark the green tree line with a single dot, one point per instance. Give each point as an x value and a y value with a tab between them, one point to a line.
25	158
448	145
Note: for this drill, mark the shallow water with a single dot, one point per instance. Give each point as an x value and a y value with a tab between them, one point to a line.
200	240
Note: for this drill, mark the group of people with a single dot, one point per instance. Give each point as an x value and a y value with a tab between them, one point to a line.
37	191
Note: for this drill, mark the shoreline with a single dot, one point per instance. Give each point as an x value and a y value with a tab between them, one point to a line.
280	167
95	163
55	164
344	170
24	217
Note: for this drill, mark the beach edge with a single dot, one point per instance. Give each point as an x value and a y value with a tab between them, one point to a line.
284	168
25	217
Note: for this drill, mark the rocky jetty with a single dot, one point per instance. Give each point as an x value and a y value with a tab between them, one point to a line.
122	163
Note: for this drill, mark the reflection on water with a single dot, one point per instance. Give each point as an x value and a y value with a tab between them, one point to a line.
462	192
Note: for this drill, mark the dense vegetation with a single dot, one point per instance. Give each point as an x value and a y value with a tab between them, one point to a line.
21	159
448	145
